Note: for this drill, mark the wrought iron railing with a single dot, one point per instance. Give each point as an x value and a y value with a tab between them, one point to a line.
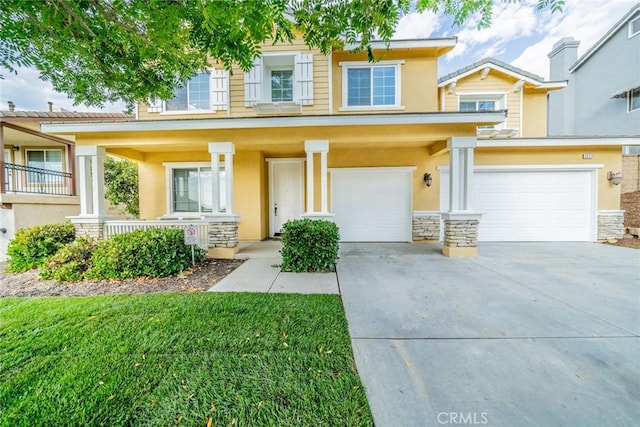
27	179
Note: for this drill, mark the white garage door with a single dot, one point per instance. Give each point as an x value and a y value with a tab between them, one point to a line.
531	205
372	204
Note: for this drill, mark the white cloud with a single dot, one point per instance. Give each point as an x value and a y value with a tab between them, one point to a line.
417	25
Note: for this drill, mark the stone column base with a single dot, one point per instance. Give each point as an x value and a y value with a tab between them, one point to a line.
460	234
610	225
223	236
88	226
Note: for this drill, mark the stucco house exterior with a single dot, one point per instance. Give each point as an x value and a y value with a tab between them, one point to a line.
37	183
603	89
370	146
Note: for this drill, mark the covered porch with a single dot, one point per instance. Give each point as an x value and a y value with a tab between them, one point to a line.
226	172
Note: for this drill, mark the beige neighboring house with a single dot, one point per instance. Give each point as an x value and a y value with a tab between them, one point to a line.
38	185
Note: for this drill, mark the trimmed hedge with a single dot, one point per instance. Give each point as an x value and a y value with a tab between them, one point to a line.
152	252
32	246
70	263
309	245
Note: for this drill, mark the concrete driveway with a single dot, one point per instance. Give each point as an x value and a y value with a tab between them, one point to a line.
526	334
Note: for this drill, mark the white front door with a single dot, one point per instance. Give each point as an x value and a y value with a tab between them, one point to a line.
286	192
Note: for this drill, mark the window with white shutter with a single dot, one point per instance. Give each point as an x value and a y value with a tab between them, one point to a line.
154	105
304	78
253	84
219	90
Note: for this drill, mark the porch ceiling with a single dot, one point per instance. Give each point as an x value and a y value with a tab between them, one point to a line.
279	140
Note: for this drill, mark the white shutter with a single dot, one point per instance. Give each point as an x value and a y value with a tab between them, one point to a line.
154	105
219	89
303	76
253	84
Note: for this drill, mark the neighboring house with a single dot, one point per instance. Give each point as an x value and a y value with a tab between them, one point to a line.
603	92
37	183
302	134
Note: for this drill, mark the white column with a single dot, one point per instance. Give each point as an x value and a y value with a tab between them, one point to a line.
84	176
228	150
461	173
312	147
215	183
91	180
310	183
323	181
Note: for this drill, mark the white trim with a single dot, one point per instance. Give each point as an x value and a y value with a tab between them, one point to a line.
330	77
511	168
373	168
518	76
559	142
347	65
407	44
419	214
521	112
277	122
630	98
271	162
611	212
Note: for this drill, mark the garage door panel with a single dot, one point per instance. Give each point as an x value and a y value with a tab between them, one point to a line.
531	205
372	204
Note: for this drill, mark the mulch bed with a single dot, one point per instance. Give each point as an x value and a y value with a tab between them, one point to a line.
198	279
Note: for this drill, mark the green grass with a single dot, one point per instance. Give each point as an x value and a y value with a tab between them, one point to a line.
178	359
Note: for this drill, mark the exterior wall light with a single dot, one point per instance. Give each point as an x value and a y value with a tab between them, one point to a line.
427	179
614	177
15	148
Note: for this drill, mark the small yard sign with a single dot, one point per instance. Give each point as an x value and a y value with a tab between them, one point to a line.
191	235
191	238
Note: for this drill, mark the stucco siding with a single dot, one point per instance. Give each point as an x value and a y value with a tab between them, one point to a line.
534	114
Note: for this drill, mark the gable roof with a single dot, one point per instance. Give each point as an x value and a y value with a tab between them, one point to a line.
503	67
593	49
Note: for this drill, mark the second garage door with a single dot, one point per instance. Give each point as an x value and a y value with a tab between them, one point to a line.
372	204
532	205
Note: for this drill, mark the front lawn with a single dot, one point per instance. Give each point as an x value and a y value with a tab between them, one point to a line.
178	359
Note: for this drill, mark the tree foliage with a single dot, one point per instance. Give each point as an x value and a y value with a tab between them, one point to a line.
109	50
121	182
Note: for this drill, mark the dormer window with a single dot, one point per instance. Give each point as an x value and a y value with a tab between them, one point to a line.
281	85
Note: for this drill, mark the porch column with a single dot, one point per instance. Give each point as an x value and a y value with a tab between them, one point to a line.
313	147
223	235
460	221
91	182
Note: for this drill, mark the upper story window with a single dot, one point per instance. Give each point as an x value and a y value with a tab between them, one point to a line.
634	27
281	85
278	78
193	96
204	93
634	99
371	86
482	102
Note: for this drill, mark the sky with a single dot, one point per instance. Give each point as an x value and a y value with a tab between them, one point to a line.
519	35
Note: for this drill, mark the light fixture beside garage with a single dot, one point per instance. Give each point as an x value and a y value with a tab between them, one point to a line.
614	177
427	179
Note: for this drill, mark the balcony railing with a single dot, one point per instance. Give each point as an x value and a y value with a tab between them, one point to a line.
112	228
27	179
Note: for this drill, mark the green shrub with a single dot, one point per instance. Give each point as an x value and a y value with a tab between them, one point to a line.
32	246
71	262
152	252
309	245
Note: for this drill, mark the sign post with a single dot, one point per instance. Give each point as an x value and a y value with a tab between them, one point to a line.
191	238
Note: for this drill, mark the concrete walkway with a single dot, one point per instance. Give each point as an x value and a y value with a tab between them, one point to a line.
261	273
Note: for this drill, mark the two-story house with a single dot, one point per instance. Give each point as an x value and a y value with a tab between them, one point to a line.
37	176
603	91
302	134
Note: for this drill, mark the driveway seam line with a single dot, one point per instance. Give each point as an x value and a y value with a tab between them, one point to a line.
493	338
